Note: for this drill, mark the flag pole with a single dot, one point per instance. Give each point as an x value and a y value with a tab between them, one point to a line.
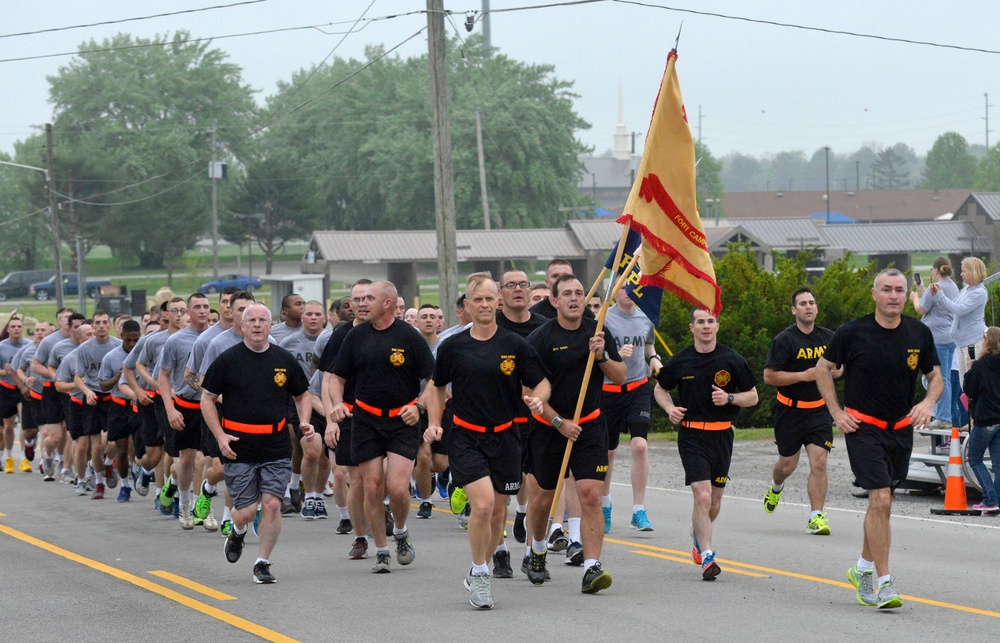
586	376
597	284
604	271
663	343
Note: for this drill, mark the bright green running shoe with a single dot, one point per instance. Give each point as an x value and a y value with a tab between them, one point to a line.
202	506
888	597
771	499
818	527
458	500
864	585
167	494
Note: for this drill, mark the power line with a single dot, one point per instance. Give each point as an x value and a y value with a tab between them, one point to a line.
124	20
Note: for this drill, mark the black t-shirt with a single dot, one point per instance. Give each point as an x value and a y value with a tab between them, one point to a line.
548	311
486	375
881	364
793	351
329	356
523	329
386	364
255	389
694	373
564	355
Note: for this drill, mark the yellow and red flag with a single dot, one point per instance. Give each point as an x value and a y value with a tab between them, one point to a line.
663	208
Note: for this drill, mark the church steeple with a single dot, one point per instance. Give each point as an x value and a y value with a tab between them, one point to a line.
622	149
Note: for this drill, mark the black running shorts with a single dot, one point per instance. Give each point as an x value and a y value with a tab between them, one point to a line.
374	437
587	461
705	455
187	438
497	456
626	412
879	458
796	428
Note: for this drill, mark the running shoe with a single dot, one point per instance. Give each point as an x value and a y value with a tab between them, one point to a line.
49	469
345	526
8	465
296	498
864	585
526	563
98	492
210	523
167	493
66	477
709	568
695	549
321	509
390	522
405	553
309	509
287	508
185	517
26	466
359	549
520	532
81	488
595	579
124	494
463	518
888	597
29	450
262	574
501	565
111	476
771	499
817	526
175	508
227	527
142	484
986	507
203	505
425	510
574	554
234	545
382	560
537	573
640	521
442	485
558	540
328	489
256	520
607	518
458	500
480	594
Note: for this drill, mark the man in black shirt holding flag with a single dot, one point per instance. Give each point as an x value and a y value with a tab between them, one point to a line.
254	380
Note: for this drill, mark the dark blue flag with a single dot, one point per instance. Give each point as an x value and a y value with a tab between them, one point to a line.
647	298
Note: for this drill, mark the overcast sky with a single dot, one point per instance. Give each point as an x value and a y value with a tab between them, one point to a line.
760	88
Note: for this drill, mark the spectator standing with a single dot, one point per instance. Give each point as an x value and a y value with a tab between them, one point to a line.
939	319
982	386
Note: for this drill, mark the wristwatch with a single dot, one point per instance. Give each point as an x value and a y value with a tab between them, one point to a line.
556	422
731	398
603	358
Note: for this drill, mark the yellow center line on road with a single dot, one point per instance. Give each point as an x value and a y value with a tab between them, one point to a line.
807	577
193	585
691	562
198	606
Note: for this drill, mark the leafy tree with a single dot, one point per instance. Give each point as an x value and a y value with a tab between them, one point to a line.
890	170
709	182
137	115
988	172
949	164
742	173
22	244
366	144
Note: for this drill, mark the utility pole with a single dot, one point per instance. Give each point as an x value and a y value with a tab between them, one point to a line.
827	195
482	172
444	188
486	29
51	182
213	173
987	98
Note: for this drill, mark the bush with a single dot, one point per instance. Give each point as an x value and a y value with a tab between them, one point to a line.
755	308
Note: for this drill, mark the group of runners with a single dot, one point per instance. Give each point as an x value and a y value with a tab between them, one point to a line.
368	408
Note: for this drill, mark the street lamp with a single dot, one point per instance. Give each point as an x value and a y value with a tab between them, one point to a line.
249	218
827	196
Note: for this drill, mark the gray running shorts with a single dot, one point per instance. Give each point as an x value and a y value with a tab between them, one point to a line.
248	481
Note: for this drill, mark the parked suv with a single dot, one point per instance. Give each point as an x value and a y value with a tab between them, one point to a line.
16	284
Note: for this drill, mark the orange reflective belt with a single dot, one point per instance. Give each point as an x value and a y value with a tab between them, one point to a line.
119	401
799	404
521	419
48	384
874	421
259	429
707	426
383	413
482	429
75	400
593	415
8	386
187	404
350	407
627	388
150	393
35	396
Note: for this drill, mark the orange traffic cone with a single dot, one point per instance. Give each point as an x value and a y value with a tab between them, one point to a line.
955	503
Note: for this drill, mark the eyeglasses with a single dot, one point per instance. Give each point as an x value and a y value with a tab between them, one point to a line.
177	311
511	285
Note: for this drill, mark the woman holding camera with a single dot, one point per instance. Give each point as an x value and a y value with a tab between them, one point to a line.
939	320
969	310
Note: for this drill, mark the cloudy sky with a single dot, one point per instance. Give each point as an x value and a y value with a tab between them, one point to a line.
759	87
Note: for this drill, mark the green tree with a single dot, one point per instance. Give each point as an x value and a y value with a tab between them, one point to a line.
137	114
22	244
709	181
949	164
988	171
366	143
890	170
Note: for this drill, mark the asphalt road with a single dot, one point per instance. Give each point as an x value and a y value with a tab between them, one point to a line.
75	568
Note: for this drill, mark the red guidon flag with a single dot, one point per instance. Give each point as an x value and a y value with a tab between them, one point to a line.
663	208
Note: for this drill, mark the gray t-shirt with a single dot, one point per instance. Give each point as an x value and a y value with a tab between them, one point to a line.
301	346
969	308
150	356
45	348
8	351
59	353
64	373
200	346
321	341
635	329
938	318
111	364
88	361
222	342
281	330
24	362
174	356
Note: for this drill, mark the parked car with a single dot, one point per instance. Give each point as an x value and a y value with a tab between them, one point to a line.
16	284
243	282
71	284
